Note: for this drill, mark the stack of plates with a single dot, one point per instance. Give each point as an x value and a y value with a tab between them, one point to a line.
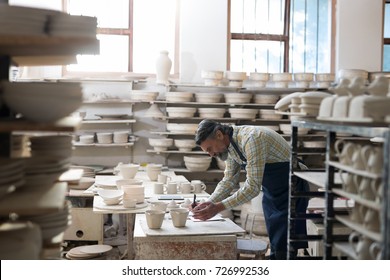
20	146
87	170
53	223
88	252
44	171
65	25
16	20
51	145
11	175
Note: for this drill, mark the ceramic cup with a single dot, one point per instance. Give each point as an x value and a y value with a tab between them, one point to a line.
154	218
344	151
186	188
161	178
376	251
372	220
129	202
349	182
360	157
198	185
361	245
357	214
159	205
171	188
152	170
365	189
158	188
179	216
375	160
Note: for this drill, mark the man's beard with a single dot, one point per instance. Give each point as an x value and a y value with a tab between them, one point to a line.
223	155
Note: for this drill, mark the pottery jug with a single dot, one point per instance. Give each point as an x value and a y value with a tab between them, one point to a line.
163	68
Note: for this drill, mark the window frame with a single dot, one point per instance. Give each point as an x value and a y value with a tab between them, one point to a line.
285	37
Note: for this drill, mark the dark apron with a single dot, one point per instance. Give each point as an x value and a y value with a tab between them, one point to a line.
275	205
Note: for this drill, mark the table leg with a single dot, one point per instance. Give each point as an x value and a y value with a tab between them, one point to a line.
130	235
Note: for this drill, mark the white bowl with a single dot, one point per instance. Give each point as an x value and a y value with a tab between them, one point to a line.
121	137
238	98
255	76
128	171
265	98
178	96
185	145
208	74
110	194
211	113
122	182
133	189
303	77
189	128
281	77
235	76
208	97
104	137
324	77
238	113
212	82
87	139
181	112
160	144
269	114
197	159
143	95
196	167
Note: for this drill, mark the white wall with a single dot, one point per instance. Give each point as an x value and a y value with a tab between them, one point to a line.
203	38
359	34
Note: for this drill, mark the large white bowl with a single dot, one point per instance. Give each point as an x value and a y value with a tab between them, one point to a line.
160	144
42	102
211	113
265	98
281	77
208	97
110	194
238	98
196	167
143	95
128	171
181	112
178	96
235	76
189	128
239	113
198	159
185	145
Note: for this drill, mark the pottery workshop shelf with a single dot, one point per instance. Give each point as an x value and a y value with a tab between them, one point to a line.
125	145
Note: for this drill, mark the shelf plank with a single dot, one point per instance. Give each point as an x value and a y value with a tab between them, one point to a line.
44	45
67	124
171	133
354	171
359	228
128	121
184	170
358	199
220	104
176	152
34	201
126	145
316	178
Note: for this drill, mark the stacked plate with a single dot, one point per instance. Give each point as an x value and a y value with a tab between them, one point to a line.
11	175
43	101
88	252
52	224
65	25
16	20
20	146
51	145
44	171
87	171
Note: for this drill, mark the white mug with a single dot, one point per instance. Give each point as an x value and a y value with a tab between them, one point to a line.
162	178
158	188
186	187
198	185
171	188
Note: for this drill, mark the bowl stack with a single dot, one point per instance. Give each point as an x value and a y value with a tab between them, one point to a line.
243	113
179	96
212	78
43	102
197	163
266	99
269	114
311	102
160	144
181	112
104	137
258	80
211	113
303	80
324	80
110	197
183	128
11	175
238	98
236	79
143	95
185	145
281	80
208	97
136	192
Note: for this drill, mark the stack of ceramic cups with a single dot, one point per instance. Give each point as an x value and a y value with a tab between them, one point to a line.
153	170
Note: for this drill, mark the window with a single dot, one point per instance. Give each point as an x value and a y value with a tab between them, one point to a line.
386	47
280	35
131	33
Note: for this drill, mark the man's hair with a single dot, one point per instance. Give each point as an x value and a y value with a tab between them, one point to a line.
208	128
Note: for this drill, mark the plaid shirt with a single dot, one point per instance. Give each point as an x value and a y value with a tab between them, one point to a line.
259	145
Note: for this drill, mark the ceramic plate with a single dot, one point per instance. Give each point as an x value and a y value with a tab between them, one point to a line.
95	249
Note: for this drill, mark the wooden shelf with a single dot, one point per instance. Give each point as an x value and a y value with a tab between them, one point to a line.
359	228
354	171
67	124
34	200
127	121
220	104
316	178
109	101
176	152
44	45
125	145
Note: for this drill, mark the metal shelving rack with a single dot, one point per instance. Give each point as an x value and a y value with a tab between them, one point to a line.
333	189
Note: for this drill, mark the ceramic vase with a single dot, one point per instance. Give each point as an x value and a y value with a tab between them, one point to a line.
163	68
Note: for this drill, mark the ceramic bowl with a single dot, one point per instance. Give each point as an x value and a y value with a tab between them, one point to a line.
188	128
185	145
143	95
266	98
104	137
160	144
110	194
303	77
239	113
238	98
87	139
128	171
281	77
179	96
235	76
121	137
208	97
269	114
255	76
181	112
209	74
324	77
211	113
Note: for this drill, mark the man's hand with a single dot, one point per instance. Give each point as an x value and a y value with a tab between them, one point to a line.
207	210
